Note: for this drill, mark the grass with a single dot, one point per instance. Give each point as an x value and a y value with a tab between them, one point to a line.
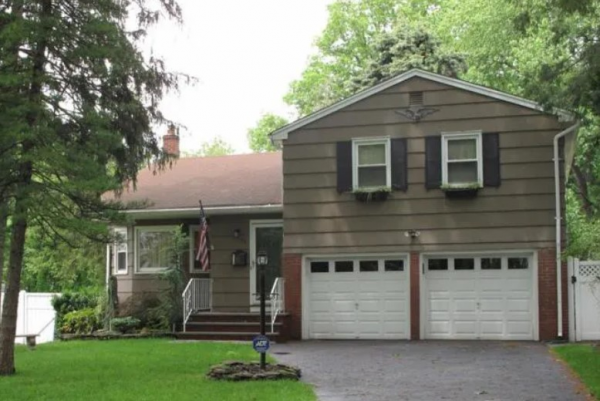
137	370
585	361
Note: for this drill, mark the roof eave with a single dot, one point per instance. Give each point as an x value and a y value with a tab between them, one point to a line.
140	214
282	134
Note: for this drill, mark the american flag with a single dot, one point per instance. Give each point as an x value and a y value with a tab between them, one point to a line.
203	255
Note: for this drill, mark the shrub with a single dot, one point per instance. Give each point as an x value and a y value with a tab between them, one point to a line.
82	321
142	306
125	324
70	302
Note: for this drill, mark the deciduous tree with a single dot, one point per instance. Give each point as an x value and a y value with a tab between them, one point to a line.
258	137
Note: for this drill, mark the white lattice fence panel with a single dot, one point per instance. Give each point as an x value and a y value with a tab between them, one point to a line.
587	300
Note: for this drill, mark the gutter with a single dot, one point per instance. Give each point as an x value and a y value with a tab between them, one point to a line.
558	220
193	211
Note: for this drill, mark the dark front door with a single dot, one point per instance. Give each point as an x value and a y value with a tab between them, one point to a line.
268	237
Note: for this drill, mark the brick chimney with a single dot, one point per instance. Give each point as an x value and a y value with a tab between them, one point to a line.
171	142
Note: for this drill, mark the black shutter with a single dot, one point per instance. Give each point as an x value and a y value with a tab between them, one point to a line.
399	169
433	162
344	166
491	160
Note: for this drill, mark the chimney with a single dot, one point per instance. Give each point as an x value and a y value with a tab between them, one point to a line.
171	142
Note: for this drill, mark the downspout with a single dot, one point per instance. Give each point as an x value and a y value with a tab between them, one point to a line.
558	220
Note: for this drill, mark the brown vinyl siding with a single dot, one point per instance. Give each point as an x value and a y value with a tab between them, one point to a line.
230	284
517	215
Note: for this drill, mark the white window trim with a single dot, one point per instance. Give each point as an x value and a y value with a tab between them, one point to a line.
449	136
137	231
371	141
122	231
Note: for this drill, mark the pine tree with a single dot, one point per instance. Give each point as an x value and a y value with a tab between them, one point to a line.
78	103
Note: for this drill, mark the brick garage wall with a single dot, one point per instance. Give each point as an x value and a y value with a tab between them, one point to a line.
292	273
415	296
547	295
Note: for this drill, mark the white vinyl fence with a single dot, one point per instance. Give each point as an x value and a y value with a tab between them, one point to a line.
35	316
584	300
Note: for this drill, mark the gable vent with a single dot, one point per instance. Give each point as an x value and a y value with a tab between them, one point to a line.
415	98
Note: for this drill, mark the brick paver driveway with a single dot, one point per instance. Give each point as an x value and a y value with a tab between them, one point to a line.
430	370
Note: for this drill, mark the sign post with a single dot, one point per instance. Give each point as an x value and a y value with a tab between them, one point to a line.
261	343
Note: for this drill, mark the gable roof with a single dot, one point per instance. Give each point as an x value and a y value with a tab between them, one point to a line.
283	132
226	184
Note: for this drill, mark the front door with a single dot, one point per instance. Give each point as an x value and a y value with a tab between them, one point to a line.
265	235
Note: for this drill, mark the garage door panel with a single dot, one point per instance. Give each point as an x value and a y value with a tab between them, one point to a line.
523	329
518	305
493	303
465	326
365	305
439	328
464	305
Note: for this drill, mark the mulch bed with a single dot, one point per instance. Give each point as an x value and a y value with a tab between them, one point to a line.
248	371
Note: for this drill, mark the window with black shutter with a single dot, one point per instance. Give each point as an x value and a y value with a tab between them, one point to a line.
456	160
372	164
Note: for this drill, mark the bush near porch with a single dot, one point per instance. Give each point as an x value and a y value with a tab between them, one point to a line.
124	370
584	359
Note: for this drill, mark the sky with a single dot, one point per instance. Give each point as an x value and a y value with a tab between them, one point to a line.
244	55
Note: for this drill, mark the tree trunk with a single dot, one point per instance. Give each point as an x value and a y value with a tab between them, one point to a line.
13	284
3	219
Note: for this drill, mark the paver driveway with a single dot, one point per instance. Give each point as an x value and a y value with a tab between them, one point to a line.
430	370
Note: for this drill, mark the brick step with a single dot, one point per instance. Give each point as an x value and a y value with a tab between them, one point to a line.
245	327
231	317
224	336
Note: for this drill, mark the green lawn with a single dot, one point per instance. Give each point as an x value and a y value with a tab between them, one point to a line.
136	370
585	361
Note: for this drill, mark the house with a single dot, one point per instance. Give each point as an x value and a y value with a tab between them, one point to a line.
422	208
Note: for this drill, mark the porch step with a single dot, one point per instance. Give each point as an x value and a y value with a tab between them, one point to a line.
225	336
242	326
239	327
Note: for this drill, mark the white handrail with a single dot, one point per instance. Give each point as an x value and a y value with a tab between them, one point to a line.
277	299
197	297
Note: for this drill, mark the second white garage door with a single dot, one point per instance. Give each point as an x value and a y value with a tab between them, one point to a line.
479	297
360	298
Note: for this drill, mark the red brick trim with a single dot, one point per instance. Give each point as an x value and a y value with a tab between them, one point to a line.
415	296
547	296
292	273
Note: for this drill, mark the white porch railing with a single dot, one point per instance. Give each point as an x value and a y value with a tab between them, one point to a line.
197	297
277	299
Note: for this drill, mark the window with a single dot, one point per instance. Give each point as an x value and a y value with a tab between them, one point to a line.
517	263
462	159
117	252
368	266
438	264
491	263
394	265
464	264
371	163
346	266
155	247
319	267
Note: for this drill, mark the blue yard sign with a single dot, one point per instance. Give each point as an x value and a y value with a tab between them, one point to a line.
261	344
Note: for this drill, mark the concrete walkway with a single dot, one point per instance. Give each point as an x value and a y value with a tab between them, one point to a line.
430	370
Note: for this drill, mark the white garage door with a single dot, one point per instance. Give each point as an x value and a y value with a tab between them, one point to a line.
479	297
362	298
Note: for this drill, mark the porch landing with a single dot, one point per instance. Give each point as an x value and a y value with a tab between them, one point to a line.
239	326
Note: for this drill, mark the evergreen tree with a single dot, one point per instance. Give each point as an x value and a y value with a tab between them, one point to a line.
403	49
78	101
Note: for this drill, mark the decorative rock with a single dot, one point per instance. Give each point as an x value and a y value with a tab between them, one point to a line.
243	371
